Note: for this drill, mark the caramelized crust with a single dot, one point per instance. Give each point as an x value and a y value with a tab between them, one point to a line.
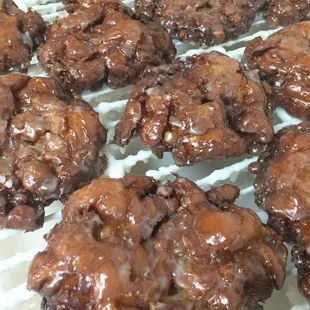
20	34
283	12
287	12
282	189
202	22
206	107
72	5
49	146
103	43
283	61
132	243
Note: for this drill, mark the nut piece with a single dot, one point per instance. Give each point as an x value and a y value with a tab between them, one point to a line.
50	146
206	107
132	243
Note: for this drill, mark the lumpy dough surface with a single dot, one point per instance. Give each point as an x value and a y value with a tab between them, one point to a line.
133	243
49	144
283	61
203	108
103	42
206	22
282	189
20	34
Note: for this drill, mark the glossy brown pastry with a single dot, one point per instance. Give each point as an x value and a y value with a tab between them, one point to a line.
283	61
49	146
72	5
20	34
206	107
283	12
103	43
286	12
202	22
282	188
135	244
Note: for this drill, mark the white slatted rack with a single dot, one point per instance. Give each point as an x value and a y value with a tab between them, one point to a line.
17	249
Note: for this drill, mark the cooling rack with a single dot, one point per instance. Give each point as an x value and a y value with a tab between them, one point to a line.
17	248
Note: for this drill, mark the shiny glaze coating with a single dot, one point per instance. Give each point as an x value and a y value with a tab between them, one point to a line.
282	188
283	61
103	43
283	12
135	244
72	5
287	12
206	22
49	145
20	33
206	107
